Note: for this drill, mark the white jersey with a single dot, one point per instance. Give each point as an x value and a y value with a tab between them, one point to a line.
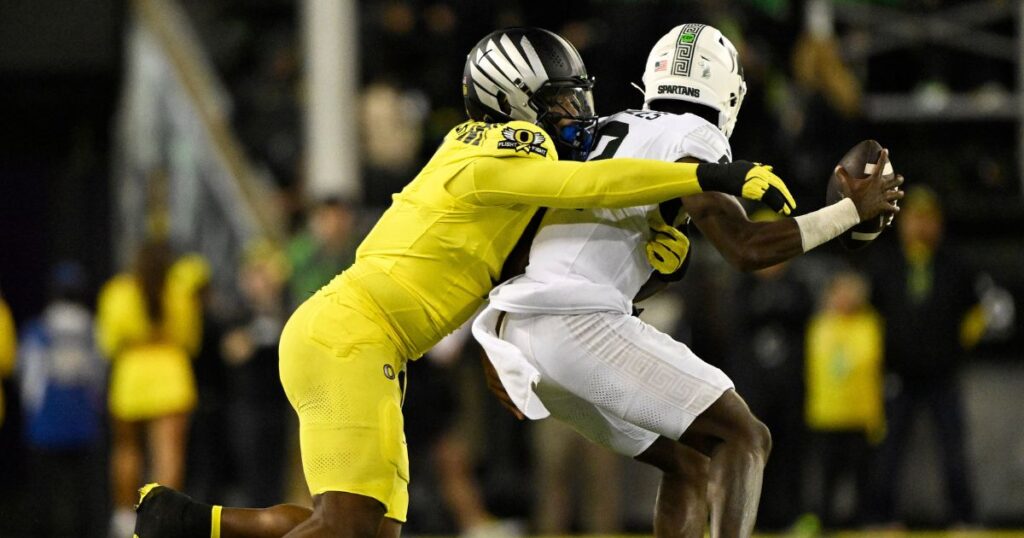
594	260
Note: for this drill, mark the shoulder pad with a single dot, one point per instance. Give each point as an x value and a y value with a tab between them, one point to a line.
706	143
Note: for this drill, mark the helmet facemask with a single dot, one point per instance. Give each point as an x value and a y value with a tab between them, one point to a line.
573	100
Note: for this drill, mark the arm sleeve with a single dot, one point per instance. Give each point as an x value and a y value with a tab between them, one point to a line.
183	321
570	185
106	330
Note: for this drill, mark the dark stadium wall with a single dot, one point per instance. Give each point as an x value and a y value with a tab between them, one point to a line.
59	64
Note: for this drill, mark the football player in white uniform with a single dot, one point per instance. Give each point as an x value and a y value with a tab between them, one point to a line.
561	337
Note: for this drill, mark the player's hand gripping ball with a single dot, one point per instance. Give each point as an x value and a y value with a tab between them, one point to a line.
866	175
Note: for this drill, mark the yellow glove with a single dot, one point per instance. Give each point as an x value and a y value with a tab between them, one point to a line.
752	181
668	247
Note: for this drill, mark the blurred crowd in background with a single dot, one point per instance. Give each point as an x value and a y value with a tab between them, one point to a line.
886	375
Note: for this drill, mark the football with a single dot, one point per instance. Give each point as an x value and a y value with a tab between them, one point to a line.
859	162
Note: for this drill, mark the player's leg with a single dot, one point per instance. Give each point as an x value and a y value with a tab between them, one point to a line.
682	508
350	423
620	382
389	528
343	377
271	522
342	515
164	512
657	384
738	445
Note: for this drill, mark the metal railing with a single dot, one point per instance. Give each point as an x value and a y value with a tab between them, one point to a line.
179	168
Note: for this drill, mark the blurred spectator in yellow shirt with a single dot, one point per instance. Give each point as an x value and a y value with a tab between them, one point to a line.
844	391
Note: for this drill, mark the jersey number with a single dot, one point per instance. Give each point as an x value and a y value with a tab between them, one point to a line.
617	131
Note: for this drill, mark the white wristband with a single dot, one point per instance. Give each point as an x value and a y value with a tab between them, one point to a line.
827	223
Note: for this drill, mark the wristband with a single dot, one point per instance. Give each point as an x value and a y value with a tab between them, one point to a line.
827	223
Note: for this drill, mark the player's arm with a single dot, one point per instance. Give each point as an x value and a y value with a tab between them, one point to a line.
613	182
755	245
746	245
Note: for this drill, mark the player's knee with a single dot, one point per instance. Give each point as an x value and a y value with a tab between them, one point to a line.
757	436
672	458
685	463
742	426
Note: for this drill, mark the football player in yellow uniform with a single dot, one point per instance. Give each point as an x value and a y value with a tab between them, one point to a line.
425	268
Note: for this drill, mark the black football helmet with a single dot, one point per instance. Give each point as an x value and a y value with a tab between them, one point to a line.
533	75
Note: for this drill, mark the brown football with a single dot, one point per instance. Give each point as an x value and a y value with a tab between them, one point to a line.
859	162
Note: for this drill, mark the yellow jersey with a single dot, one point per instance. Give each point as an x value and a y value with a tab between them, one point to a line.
433	256
122	320
844	373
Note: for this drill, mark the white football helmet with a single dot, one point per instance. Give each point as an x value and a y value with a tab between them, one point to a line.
696	63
